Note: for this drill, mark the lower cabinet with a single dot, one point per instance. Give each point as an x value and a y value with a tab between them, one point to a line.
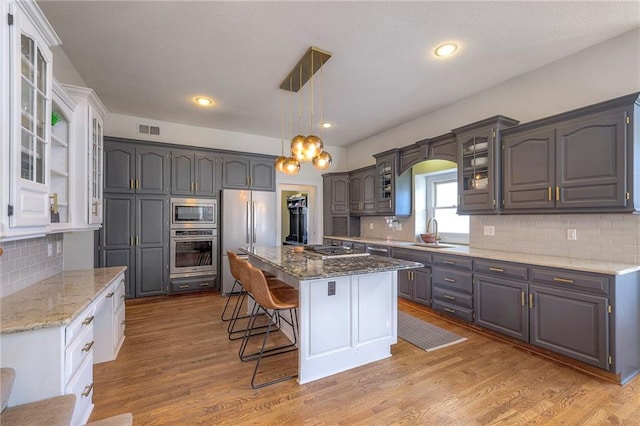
565	321
414	284
452	286
190	284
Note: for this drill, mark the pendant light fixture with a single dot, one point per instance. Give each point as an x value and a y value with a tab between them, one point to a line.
311	147
279	163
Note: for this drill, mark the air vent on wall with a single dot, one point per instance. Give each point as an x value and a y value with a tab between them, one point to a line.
148	130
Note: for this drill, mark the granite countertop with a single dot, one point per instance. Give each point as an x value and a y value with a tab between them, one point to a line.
54	301
306	266
597	266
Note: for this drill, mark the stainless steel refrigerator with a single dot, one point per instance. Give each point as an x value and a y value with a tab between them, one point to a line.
247	219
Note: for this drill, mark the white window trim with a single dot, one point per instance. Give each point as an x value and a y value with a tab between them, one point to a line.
431	180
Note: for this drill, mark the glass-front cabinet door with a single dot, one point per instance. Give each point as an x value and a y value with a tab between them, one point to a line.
96	174
31	82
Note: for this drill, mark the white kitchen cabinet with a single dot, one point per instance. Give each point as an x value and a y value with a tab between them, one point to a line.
27	90
110	322
88	156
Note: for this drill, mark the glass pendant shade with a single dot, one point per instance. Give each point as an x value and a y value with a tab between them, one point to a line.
291	166
311	147
279	163
322	161
297	147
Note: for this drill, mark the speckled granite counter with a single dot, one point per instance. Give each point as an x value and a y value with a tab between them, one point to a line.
305	266
597	266
54	301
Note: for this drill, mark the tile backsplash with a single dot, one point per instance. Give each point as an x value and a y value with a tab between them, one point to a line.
607	237
25	262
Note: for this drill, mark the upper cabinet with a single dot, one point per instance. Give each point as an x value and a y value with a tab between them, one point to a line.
88	158
479	165
27	91
131	167
255	173
393	191
194	174
337	220
443	147
362	191
582	160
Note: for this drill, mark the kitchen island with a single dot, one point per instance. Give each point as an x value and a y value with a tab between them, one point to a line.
347	308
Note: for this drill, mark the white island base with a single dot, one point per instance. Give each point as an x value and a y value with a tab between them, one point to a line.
355	326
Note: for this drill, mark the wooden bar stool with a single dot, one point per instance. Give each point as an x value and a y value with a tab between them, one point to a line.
272	300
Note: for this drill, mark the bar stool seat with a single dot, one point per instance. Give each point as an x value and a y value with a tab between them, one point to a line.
274	301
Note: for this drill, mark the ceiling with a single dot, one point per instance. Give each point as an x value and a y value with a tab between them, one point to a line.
150	59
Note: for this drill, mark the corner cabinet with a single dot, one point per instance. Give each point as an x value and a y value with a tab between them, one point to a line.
88	157
27	91
579	161
255	173
479	165
393	191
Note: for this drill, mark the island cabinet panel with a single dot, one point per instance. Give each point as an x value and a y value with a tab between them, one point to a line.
573	324
329	313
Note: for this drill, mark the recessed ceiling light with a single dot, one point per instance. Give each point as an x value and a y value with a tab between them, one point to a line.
326	124
446	49
204	101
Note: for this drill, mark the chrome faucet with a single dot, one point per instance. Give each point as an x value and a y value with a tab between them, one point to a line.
435	226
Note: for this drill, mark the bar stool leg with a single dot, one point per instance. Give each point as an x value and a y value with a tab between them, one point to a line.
231	294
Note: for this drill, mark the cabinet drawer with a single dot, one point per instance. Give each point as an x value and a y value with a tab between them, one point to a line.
451	261
360	247
81	385
453	297
411	255
454	310
119	328
571	279
501	269
84	320
191	284
450	278
119	297
78	351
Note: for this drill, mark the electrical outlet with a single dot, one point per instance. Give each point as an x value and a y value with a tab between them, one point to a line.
58	247
50	249
490	230
370	225
332	288
572	234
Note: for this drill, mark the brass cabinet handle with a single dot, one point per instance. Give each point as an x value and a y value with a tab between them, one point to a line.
530	300
137	183
87	320
132	185
390	203
130	241
496	269
446	296
557	193
110	295
563	280
195	184
453	311
184	286
549	194
87	390
94	208
54	207
522	298
449	262
204	284
88	346
449	280
137	240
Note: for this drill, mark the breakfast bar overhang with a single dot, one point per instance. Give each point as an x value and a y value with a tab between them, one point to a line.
347	309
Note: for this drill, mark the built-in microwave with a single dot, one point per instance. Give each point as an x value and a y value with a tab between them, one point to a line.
193	213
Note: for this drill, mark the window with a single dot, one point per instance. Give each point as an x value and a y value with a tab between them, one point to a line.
442	204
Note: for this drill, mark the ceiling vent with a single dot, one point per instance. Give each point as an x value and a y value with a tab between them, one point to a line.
148	130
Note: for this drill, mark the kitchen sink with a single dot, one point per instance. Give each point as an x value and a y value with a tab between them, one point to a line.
431	245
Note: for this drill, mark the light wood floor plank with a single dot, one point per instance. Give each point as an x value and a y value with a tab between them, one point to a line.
177	367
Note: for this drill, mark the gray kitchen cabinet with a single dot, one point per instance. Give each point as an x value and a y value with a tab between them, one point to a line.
362	191
245	172
452	286
392	191
131	167
194	174
579	161
414	284
135	235
443	147
479	160
336	218
570	323
501	305
409	156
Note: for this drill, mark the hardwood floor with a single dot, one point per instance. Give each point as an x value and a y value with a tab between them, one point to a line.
177	367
